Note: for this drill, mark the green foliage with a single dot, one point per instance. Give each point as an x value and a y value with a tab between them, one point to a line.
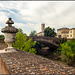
1	36
32	50
20	39
72	45
63	40
67	51
20	30
38	46
22	43
49	32
58	52
33	33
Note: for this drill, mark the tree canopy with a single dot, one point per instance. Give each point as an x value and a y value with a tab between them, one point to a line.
66	52
49	32
33	33
22	43
21	31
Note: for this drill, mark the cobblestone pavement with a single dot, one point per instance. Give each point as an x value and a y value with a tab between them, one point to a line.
26	63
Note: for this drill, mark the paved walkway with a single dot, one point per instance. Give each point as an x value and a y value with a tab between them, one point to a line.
26	63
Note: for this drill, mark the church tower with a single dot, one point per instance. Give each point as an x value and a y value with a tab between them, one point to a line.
42	27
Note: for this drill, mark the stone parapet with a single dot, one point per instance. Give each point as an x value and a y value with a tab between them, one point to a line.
22	62
3	68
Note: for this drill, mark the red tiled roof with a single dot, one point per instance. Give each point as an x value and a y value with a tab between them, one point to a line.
62	28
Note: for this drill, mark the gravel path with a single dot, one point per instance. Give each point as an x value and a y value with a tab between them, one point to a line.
26	63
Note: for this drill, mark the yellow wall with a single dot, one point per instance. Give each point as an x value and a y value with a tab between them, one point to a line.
66	33
74	33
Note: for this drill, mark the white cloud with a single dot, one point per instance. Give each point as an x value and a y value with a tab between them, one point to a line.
30	14
27	28
3	17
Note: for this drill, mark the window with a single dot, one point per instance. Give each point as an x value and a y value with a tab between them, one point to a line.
67	35
59	36
70	35
70	31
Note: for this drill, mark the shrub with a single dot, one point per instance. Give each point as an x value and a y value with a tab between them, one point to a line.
58	51
72	45
63	40
22	43
67	51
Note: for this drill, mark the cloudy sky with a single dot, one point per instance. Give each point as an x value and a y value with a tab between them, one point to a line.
29	15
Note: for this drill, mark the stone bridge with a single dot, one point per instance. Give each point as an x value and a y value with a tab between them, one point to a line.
51	42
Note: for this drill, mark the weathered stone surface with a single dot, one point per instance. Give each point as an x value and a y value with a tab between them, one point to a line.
2	44
9	30
26	63
9	33
3	68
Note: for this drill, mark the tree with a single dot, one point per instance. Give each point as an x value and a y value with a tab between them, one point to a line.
49	32
66	51
20	30
33	33
22	43
63	40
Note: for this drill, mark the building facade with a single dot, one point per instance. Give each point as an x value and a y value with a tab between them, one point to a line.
66	33
42	30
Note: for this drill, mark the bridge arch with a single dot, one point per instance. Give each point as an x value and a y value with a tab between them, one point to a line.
51	42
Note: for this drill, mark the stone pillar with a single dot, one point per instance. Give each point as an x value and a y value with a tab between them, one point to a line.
9	33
